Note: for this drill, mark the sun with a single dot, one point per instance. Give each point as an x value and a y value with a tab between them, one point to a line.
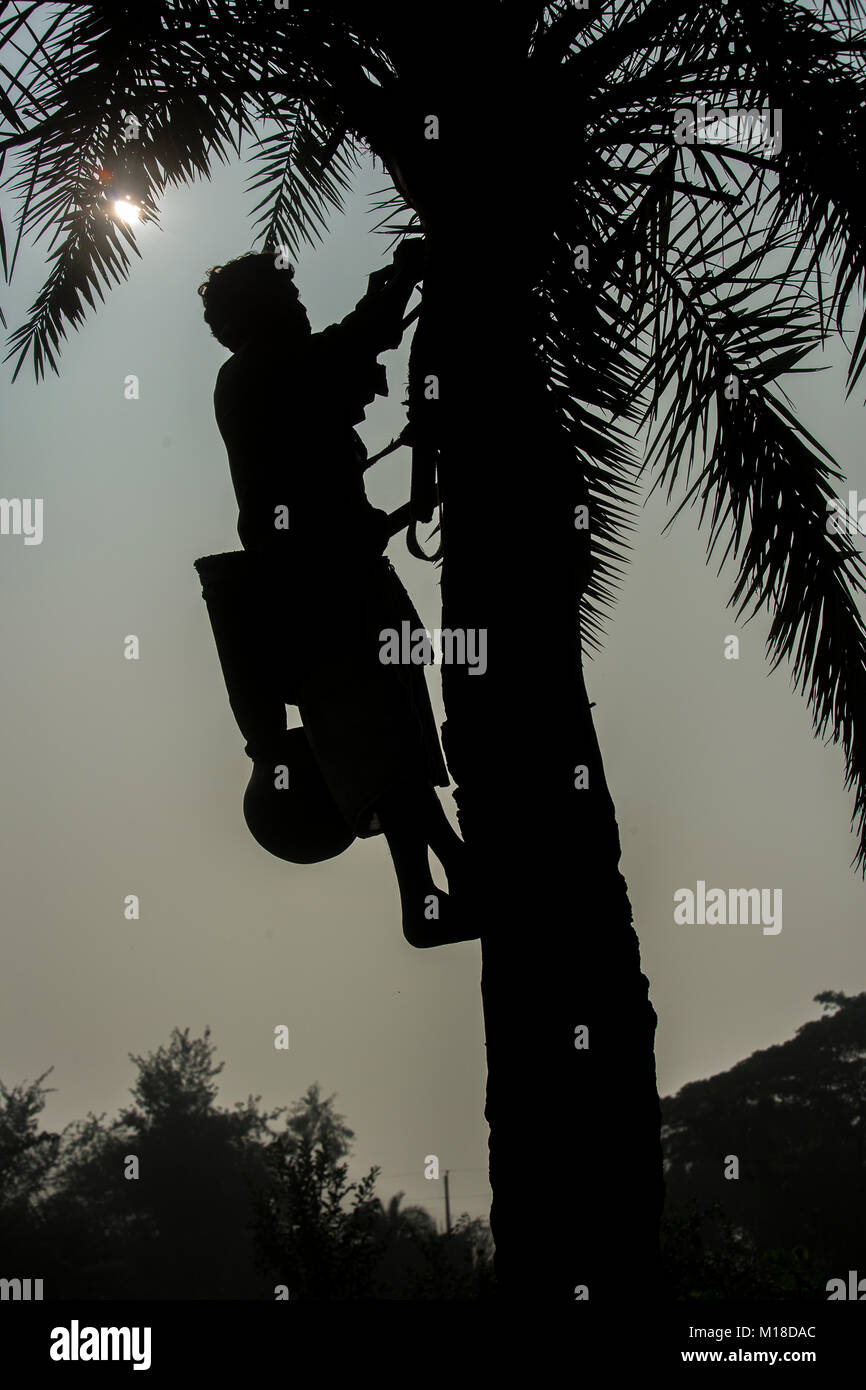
127	211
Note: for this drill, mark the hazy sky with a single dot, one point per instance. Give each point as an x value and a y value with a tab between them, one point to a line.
127	777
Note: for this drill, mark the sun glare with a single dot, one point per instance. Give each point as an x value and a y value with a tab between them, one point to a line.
126	210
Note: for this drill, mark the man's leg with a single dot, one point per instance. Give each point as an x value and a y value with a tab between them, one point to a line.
442	838
407	819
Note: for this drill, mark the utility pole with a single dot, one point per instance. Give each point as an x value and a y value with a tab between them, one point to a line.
447	1206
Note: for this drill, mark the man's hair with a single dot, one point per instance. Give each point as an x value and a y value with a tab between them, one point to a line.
245	292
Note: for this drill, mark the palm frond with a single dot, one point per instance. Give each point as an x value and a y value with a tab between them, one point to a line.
793	62
91	256
179	141
89	66
85	72
305	169
767	485
591	380
697	246
392	204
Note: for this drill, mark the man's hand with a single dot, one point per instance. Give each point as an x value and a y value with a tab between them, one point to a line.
410	256
377	319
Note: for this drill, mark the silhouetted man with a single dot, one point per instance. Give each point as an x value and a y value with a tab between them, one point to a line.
286	404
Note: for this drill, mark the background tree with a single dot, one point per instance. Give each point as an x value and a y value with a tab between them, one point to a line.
417	1261
28	1160
794	1116
326	1238
223	1206
157	1204
707	1257
309	1240
615	278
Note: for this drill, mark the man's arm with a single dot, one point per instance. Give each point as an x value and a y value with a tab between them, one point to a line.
376	322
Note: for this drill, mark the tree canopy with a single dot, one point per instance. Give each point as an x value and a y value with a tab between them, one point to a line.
181	1198
793	1116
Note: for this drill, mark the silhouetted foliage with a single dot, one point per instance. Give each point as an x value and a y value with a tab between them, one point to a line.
313	1243
224	1206
228	1206
793	1115
27	1161
180	1228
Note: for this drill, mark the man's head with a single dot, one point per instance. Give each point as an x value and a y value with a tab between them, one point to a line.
249	298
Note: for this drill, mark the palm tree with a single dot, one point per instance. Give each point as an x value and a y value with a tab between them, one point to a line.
593	280
407	1223
416	1261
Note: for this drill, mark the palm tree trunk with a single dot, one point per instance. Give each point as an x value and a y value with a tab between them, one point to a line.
574	1130
575	1156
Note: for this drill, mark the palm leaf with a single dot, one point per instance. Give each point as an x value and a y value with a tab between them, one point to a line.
767	484
305	171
